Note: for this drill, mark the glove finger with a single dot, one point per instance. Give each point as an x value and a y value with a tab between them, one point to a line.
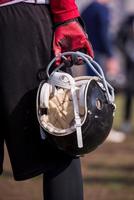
57	51
58	61
89	48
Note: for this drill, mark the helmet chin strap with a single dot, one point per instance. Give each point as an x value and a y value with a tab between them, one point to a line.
65	80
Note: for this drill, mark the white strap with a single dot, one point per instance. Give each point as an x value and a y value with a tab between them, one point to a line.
77	117
65	80
44	95
37	1
10	2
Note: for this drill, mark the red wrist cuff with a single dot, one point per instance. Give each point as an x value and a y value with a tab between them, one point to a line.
63	10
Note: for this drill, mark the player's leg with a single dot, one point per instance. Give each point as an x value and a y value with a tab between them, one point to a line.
64	185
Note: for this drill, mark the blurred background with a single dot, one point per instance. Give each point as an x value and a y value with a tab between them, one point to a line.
108	172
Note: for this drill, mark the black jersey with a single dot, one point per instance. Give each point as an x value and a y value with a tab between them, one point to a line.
25	49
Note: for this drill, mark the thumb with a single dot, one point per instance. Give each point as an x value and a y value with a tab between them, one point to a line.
57	52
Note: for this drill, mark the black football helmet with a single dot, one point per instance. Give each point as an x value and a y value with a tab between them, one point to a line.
75	112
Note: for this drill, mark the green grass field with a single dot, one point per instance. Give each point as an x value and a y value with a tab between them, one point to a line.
108	172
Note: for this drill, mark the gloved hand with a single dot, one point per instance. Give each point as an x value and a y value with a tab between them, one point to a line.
71	37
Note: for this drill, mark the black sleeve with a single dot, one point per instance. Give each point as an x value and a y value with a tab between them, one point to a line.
121	38
106	42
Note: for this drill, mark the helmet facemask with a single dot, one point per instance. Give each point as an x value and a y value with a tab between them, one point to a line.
63	107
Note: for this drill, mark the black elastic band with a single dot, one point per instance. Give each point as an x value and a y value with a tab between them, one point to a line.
65	22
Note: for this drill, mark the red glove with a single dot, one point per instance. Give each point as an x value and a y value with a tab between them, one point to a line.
71	37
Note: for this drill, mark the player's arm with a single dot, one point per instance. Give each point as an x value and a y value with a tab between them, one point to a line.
69	35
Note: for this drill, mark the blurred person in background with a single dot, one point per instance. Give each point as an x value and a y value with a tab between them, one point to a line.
125	42
97	22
